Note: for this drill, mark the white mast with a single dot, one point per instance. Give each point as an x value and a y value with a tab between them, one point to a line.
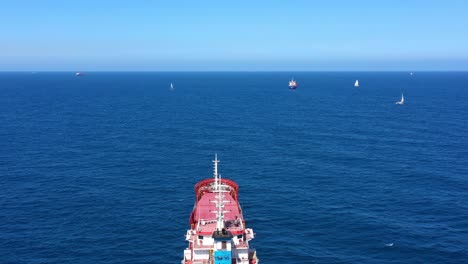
215	173
220	213
219	202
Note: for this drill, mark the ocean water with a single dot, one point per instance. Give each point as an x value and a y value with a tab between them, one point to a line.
101	168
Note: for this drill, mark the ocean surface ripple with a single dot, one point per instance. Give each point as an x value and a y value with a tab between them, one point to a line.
101	168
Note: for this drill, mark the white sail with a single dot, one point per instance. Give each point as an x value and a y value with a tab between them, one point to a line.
402	101
356	84
172	87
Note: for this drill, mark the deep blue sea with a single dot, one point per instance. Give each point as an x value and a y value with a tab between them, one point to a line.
101	168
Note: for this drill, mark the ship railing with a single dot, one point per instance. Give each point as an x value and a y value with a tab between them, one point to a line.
242	244
199	245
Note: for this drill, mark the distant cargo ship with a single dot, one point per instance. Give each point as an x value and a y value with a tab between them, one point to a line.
218	234
292	84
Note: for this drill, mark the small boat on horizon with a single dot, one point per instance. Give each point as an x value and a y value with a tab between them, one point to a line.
79	74
356	84
292	84
402	101
172	87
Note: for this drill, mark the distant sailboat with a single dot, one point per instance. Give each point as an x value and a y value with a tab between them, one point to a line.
292	84
402	101
411	74
172	87
356	84
79	74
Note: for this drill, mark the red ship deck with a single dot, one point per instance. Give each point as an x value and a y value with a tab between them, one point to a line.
204	213
217	227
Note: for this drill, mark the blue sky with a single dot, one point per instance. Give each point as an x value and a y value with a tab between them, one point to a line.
233	35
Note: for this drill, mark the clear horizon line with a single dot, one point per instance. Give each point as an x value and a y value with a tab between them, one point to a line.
85	71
